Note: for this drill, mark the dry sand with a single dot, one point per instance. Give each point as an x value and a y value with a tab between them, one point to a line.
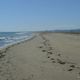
48	56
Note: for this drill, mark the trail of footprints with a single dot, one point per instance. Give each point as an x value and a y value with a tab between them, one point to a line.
57	58
52	54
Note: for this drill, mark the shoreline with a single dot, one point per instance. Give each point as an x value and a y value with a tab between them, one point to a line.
22	40
5	48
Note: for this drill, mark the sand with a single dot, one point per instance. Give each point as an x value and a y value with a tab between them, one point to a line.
48	56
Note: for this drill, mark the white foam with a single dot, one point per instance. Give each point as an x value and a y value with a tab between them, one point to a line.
15	40
2	38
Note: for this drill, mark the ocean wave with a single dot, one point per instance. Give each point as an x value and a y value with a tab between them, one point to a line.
11	38
2	38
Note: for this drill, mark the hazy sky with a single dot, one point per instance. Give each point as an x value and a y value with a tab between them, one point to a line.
19	15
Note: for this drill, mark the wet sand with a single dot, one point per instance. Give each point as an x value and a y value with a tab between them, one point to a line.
48	56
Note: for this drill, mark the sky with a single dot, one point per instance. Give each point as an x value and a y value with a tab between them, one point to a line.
33	15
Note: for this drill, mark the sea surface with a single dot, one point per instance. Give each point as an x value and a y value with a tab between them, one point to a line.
9	38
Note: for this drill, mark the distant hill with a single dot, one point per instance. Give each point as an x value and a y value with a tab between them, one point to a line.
69	31
73	31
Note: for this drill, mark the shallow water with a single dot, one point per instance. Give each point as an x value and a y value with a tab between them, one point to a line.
7	38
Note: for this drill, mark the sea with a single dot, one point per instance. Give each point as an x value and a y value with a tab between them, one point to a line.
9	38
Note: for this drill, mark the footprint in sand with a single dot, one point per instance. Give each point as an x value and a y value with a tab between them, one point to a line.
72	66
49	52
61	62
70	69
40	47
43	50
53	60
48	57
59	55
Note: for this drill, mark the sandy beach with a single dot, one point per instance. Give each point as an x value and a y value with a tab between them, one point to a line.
48	56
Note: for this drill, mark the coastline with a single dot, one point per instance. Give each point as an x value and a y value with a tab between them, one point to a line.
46	56
4	48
